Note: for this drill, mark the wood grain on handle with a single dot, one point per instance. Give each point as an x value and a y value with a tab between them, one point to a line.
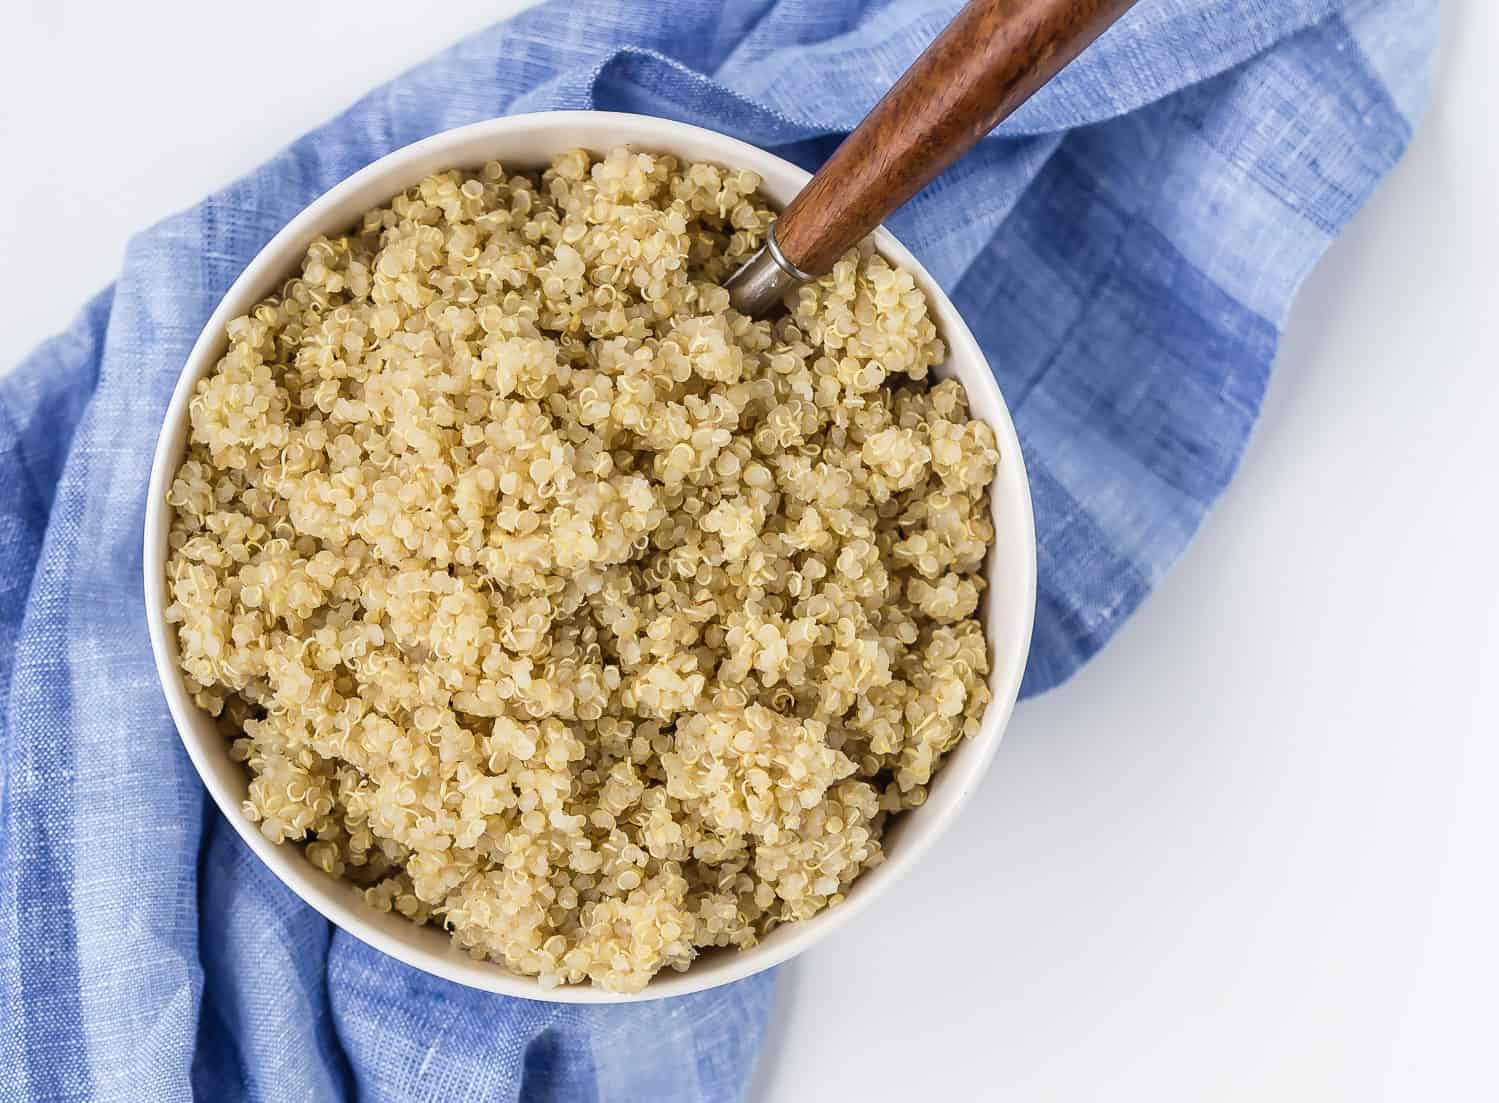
988	61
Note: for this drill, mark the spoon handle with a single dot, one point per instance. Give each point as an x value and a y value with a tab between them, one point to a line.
988	61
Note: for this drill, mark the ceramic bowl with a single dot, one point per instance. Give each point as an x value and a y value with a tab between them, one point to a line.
524	142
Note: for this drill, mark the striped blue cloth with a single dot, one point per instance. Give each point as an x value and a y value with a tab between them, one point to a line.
1125	248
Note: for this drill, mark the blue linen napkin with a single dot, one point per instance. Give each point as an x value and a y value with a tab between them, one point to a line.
1125	248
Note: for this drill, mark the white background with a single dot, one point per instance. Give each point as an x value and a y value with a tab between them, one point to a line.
1250	852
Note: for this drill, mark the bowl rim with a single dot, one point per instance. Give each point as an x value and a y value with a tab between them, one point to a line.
346	910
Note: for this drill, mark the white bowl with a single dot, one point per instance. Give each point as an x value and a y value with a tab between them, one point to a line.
529	141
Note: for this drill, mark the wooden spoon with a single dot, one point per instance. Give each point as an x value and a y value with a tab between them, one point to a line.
986	63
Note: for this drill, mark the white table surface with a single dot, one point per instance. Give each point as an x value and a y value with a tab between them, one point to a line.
1248	854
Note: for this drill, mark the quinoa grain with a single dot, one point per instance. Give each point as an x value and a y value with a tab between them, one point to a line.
548	599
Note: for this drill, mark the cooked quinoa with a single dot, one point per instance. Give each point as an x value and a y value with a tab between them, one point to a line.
548	599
